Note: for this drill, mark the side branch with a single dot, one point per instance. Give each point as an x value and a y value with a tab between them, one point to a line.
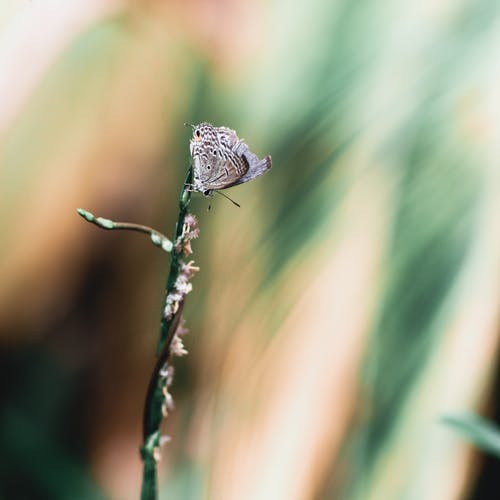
158	239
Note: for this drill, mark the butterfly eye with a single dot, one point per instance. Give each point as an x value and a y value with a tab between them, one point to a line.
198	133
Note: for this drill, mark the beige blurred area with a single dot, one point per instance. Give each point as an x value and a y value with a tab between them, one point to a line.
88	134
349	303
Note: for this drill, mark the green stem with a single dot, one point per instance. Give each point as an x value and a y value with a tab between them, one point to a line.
157	238
184	200
153	406
154	398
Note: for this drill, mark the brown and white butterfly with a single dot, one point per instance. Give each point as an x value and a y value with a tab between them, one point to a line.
221	159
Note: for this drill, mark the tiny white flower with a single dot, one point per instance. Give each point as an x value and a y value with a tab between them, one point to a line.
164	440
169	400
177	347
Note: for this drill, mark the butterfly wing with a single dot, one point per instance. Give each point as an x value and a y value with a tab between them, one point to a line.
256	166
222	160
255	169
219	170
226	137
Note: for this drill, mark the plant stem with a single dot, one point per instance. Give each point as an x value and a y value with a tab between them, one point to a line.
153	414
158	239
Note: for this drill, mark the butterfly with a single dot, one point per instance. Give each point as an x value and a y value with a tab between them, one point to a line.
221	159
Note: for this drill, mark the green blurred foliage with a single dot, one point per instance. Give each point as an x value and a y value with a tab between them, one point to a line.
348	305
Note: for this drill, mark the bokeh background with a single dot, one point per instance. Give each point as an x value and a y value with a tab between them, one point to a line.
347	306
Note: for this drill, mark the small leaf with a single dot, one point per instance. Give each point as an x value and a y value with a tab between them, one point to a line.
484	434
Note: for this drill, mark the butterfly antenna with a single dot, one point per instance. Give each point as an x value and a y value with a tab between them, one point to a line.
188	125
226	196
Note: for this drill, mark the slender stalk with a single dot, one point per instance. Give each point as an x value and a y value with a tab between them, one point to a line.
158	399
155	398
184	200
158	239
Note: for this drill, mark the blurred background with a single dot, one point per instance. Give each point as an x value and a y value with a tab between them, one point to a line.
349	304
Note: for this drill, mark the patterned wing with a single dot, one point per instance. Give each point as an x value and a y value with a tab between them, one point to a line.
219	169
221	160
227	137
255	169
256	166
